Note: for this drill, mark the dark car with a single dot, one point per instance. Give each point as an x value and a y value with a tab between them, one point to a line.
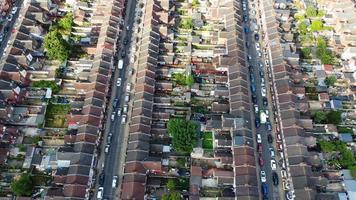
254	99
247	44
253	88
250	69
261	73
268	126
245	18
269	138
126	41
123	53
261	162
257	123
246	29
264	189
275	178
265	102
257	37
101	179
259	148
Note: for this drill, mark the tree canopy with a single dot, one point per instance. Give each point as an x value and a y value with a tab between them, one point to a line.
65	24
323	53
183	133
330	81
334	117
319	117
305	53
57	48
311	12
186	23
22	186
171	185
316	25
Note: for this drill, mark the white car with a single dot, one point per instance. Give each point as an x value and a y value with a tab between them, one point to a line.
128	87
256	108
249	57
263	81
9	17
259	54
273	165
267	112
1	37
118	82
123	120
119	113
258	47
263	177
112	116
259	139
125	108
127	28
263	91
114	181
271	150
100	193
14	10
107	147
283	174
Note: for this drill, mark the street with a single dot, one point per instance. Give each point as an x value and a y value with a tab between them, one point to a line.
113	159
7	31
259	81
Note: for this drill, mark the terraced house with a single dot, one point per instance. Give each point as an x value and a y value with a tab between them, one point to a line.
54	95
191	66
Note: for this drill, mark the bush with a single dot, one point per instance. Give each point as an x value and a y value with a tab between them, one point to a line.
334	117
305	53
316	26
22	186
319	117
323	53
186	23
56	47
183	133
330	81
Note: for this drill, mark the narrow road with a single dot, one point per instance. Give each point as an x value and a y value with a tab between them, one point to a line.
112	159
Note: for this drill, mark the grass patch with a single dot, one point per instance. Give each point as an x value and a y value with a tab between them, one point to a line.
56	115
208	140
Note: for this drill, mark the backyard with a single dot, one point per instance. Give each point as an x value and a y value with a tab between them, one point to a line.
207	140
56	115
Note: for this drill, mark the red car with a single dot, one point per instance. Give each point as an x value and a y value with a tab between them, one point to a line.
261	162
259	148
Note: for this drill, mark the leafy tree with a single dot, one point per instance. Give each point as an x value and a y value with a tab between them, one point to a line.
186	23
305	53
189	80
319	117
316	25
183	133
195	3
321	13
171	185
347	158
334	117
302	27
311	12
65	24
22	186
323	53
326	146
330	81
57	48
172	196
47	84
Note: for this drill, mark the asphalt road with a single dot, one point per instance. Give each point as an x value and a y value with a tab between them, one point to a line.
9	25
273	191
112	160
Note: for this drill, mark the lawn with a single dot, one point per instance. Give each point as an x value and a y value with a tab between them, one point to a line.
207	140
56	115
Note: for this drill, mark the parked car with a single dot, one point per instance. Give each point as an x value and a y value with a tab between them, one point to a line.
125	109
257	122
118	82
265	102
123	120
264	189
254	99
114	104
259	148
259	139
261	161
101	178
257	37
268	126
108	140
107	147
100	193
263	176
263	91
114	181
14	10
283	174
112	116
258	47
256	108
119	112
1	37
9	17
271	151
275	178
269	138
128	87
273	165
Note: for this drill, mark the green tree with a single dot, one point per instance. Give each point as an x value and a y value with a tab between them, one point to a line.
65	24
305	53
319	117
302	27
183	133
195	3
334	117
172	196
330	81
171	185
326	146
189	80
316	26
47	84
346	159
57	48
22	186
323	53
186	23
311	12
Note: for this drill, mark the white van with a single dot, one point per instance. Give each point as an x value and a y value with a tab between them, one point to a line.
127	98
100	193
